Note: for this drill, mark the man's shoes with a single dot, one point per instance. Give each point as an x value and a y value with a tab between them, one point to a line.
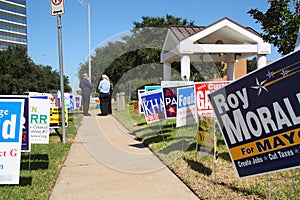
87	114
101	114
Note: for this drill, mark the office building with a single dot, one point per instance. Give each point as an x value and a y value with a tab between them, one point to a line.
13	24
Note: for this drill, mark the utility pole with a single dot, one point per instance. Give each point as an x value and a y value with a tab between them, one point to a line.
57	9
88	7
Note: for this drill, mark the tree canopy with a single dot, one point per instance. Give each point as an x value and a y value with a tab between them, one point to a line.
18	74
280	24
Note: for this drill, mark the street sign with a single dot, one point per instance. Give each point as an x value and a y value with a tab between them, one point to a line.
57	7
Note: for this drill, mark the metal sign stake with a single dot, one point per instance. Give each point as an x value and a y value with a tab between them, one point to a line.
62	96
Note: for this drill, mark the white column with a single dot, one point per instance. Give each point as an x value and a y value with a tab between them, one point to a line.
167	71
230	71
185	67
261	61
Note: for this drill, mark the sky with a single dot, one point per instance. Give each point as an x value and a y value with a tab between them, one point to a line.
112	17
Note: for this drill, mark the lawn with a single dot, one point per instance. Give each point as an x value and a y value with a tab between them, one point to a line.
176	147
40	168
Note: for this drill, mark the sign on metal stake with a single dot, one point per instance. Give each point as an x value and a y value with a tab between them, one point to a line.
57	7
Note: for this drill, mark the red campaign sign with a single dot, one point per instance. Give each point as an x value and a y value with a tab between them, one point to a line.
56	2
202	89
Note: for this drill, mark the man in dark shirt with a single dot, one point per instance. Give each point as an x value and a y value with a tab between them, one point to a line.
86	89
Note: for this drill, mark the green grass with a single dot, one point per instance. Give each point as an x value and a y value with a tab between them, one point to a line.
40	168
176	147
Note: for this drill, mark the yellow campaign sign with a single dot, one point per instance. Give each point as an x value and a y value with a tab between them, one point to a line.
276	142
56	118
206	143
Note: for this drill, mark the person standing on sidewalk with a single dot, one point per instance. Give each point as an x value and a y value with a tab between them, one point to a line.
86	89
104	89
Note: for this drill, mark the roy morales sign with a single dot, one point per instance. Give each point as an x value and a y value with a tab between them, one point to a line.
259	116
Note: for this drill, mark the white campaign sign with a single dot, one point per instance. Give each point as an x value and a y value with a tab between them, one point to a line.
39	114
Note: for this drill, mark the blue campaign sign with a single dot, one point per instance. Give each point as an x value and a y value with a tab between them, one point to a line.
153	105
72	103
152	87
186	97
10	120
186	106
259	116
25	119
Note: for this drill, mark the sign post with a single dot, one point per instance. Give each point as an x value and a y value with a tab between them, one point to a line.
57	9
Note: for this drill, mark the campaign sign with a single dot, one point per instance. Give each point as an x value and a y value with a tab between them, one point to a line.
25	128
77	104
75	101
11	122
141	110
152	87
202	89
72	105
153	105
39	123
186	106
95	102
56	117
170	101
48	96
259	116
206	136
175	83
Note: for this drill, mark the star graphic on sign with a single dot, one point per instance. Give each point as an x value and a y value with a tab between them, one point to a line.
260	86
296	150
265	157
284	72
171	110
269	74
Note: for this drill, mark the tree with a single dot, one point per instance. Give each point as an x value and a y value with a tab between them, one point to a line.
251	65
140	47
18	74
280	24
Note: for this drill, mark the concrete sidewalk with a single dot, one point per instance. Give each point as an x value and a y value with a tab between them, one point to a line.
107	163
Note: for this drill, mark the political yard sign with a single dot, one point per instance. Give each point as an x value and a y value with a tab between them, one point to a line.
153	106
186	106
202	89
25	127
170	101
39	124
11	122
259	116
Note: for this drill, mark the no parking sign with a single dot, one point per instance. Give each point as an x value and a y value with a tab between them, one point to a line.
57	7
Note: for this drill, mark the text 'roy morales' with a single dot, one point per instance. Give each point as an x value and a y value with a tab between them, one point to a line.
263	120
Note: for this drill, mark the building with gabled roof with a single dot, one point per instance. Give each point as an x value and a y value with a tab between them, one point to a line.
223	41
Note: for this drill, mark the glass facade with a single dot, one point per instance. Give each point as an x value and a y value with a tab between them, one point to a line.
13	24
